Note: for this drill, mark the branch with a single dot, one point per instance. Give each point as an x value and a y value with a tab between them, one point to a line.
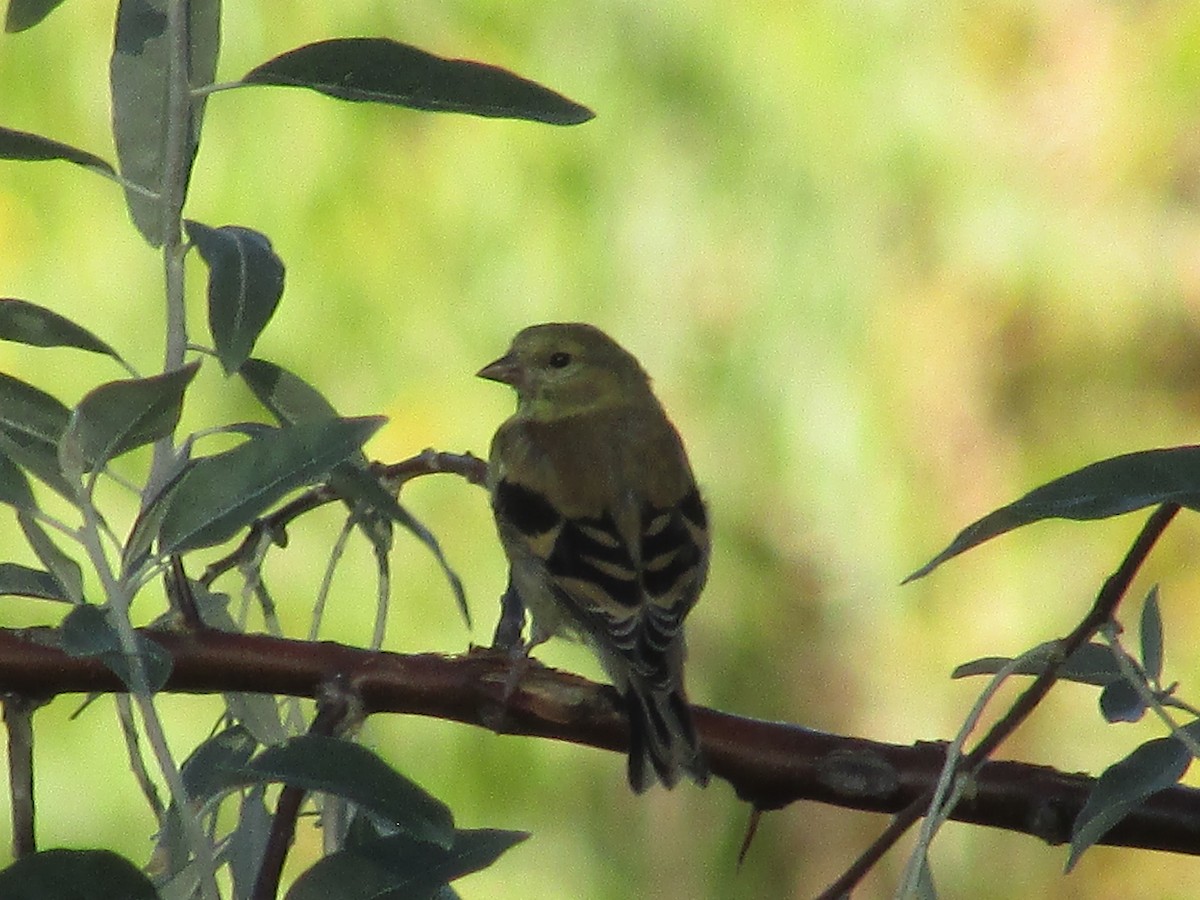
769	764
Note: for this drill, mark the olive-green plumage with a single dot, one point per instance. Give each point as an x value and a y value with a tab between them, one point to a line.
603	526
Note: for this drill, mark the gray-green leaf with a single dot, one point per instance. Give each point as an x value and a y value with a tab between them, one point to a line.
289	398
1151	635
401	868
1123	786
379	70
22	581
220	494
65	570
138	73
28	323
1093	663
31	423
245	282
1107	488
345	769
14	486
73	874
122	415
22	145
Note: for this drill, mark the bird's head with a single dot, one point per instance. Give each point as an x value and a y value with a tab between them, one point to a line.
566	369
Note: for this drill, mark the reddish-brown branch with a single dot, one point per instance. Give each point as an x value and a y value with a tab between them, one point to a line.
769	764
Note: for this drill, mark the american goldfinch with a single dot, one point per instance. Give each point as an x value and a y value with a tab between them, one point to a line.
604	529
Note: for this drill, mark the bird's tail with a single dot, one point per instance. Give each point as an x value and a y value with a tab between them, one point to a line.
662	739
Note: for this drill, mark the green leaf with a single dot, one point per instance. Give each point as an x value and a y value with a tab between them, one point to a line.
24	14
1124	785
378	70
1093	663
346	875
355	483
401	868
220	494
345	769
138	75
289	398
123	415
1151	634
248	841
87	631
27	323
74	875
65	570
31	423
245	282
216	765
14	486
27	147
1121	702
22	581
1107	488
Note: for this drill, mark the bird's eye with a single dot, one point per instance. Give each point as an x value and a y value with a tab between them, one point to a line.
560	360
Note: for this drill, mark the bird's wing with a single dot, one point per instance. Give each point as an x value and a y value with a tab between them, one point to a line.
629	594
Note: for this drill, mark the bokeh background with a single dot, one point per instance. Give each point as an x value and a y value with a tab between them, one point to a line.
890	264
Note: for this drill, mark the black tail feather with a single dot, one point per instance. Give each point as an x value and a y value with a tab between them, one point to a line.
662	739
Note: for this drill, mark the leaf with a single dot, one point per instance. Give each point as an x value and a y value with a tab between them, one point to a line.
289	398
1124	785
1107	488
398	867
220	494
248	842
258	714
1120	702
245	282
27	323
356	484
22	581
122	415
216	765
27	147
63	568
14	486
1151	634
332	766
24	14
74	875
1093	663
31	423
87	631
379	70
138	73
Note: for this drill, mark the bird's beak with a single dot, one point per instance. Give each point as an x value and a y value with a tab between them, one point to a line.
506	370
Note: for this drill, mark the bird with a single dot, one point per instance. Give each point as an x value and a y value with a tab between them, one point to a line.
604	528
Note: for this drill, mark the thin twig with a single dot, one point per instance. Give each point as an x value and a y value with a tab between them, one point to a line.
18	722
180	593
333	706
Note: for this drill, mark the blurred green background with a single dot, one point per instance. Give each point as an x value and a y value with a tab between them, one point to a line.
890	264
